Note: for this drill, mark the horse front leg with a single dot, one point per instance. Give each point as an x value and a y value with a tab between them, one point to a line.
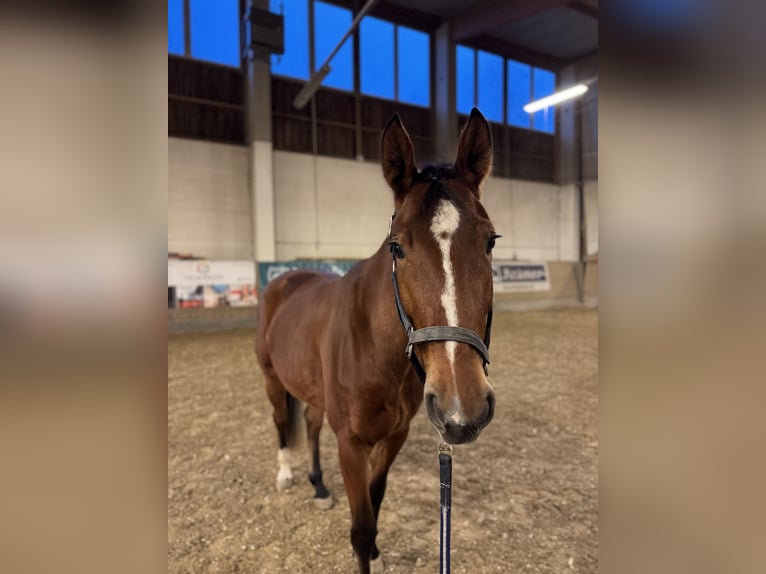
381	459
354	457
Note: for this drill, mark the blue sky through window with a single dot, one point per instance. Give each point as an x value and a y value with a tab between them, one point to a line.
215	37
464	79
176	27
491	86
330	23
376	52
414	55
215	31
544	85
519	93
295	60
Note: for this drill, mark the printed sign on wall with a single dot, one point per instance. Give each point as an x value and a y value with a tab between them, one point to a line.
210	283
270	270
520	276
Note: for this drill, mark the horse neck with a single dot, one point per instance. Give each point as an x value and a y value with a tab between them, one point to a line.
376	291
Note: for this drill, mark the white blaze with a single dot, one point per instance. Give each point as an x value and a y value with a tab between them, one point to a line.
443	225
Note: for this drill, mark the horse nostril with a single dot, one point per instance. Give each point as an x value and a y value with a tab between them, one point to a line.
433	410
430	403
490	407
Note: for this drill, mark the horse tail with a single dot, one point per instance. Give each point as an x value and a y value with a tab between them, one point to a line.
296	427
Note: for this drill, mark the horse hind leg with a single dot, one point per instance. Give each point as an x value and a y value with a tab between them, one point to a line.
285	407
314	418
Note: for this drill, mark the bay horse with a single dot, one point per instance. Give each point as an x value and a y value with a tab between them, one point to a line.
336	343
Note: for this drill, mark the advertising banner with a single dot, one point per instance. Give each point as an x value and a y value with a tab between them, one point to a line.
210	283
520	276
507	276
269	270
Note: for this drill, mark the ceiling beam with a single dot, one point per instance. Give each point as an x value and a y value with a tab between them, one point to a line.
585	66
590	55
515	52
585	8
397	13
406	16
486	15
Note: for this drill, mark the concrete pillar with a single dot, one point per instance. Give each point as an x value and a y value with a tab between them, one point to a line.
568	145
445	117
577	131
569	223
258	100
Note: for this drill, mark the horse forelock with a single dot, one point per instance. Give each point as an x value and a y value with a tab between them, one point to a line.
436	182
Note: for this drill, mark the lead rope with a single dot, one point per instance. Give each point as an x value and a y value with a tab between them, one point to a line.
445	502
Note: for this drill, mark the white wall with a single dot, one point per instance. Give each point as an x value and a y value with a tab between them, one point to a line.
335	208
209	199
327	207
343	211
536	220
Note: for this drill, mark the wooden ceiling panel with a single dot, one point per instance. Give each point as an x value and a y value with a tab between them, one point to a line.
487	15
563	32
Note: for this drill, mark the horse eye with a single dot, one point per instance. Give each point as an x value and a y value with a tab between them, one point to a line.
396	250
491	242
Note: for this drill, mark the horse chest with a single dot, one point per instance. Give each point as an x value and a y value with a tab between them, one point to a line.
378	413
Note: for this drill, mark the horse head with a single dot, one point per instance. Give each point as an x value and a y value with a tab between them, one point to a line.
441	240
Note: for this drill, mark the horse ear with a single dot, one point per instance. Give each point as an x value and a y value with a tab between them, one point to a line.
398	158
474	151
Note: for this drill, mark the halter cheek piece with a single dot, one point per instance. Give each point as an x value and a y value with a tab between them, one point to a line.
437	333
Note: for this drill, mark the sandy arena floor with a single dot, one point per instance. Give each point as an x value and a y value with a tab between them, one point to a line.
525	495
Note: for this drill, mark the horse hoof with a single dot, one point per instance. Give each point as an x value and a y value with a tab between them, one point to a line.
324	503
284	483
376	565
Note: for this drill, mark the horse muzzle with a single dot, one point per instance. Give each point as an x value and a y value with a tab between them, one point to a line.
455	429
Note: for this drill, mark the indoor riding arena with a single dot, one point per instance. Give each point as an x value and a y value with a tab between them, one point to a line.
283	158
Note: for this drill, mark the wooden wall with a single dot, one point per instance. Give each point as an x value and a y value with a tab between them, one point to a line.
206	101
337	127
520	153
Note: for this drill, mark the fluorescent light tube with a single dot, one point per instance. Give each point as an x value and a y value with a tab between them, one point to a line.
556	98
310	87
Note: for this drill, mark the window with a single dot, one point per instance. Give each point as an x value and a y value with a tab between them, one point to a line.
414	66
490	86
215	30
295	60
176	38
465	79
544	84
376	66
519	82
330	23
408	78
479	81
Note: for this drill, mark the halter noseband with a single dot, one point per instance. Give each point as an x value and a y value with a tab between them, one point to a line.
436	333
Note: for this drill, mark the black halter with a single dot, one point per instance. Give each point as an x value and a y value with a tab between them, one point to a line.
437	333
